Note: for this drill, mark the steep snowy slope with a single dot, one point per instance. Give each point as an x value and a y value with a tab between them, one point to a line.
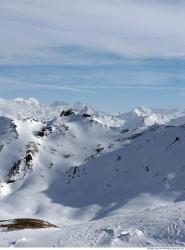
69	165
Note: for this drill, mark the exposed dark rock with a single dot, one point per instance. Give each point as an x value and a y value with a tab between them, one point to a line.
1	147
86	115
74	172
28	158
93	156
67	156
99	148
25	223
10	181
44	131
170	145
23	165
67	112
177	139
41	133
13	171
125	131
119	158
147	168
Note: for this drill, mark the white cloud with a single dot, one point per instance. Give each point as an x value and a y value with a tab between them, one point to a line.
29	29
87	88
9	84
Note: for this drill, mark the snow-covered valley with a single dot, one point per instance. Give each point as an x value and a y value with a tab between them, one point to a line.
103	179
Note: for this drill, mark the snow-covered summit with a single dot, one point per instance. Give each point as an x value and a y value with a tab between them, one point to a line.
138	117
29	101
141	111
144	117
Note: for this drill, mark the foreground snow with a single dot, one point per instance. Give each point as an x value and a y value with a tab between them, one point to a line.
104	179
162	226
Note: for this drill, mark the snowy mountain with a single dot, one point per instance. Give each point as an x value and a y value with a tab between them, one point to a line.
142	117
106	180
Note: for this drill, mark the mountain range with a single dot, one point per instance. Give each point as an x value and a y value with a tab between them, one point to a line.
103	179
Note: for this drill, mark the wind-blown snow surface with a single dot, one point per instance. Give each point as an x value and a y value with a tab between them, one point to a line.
106	180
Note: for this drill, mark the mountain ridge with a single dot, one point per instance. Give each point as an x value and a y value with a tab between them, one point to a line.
80	166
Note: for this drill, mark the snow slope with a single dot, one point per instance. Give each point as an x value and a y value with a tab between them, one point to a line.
107	180
159	227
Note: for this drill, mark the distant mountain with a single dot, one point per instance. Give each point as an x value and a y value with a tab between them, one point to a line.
143	117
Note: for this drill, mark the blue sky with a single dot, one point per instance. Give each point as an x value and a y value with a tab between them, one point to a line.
112	54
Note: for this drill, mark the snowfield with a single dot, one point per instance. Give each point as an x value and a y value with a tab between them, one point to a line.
114	180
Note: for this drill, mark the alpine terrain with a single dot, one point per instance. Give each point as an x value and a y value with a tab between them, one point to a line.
73	176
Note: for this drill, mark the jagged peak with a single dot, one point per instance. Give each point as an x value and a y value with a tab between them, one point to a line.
142	111
30	100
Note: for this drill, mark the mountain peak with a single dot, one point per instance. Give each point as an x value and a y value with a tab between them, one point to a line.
30	100
142	111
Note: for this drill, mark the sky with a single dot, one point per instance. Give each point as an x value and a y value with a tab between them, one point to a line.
113	54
